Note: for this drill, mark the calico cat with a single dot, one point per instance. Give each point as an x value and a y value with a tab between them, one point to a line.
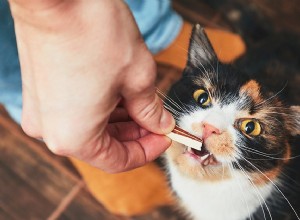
244	169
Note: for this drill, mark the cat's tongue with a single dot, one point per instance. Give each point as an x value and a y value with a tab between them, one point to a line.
204	156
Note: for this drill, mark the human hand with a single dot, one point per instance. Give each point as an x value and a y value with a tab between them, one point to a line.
79	61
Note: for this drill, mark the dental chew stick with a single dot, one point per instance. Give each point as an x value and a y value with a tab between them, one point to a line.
181	136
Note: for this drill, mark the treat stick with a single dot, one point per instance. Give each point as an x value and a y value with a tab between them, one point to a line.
181	136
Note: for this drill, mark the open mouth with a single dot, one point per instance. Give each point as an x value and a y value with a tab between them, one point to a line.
203	156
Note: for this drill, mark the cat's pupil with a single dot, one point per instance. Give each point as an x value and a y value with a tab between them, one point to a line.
249	127
203	98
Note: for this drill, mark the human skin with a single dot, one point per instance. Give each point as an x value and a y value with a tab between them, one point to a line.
88	82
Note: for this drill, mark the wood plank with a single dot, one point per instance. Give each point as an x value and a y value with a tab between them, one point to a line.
33	181
30	167
39	147
6	215
84	206
196	11
39	183
17	197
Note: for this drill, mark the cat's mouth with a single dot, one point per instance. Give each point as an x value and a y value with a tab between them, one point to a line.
203	156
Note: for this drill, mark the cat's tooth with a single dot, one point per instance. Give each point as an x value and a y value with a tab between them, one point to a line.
205	157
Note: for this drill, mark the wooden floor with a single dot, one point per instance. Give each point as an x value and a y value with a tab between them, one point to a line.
35	184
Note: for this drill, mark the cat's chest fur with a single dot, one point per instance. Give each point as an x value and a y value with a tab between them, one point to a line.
231	199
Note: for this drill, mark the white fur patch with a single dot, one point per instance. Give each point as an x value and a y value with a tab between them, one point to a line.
230	199
222	118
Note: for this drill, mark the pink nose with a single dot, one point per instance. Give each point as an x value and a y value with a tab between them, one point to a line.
208	130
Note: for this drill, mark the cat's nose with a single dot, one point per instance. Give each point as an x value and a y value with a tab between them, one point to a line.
208	130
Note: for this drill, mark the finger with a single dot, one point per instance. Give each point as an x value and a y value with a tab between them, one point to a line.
126	131
147	110
140	99
122	156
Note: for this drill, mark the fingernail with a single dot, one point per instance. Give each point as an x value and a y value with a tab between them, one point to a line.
167	122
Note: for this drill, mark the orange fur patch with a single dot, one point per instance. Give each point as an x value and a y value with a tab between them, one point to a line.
220	145
252	88
260	179
205	82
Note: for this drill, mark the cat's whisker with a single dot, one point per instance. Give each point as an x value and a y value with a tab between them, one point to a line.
262	153
171	110
257	191
223	171
169	99
175	115
239	184
272	182
272	97
280	174
296	184
184	106
266	155
269	157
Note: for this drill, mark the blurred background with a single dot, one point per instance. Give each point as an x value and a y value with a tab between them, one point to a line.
35	184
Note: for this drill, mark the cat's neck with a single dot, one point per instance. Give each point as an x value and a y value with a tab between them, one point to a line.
232	198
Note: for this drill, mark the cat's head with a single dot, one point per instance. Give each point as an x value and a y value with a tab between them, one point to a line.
244	126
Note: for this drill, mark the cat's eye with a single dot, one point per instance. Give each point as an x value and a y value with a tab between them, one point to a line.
202	98
250	127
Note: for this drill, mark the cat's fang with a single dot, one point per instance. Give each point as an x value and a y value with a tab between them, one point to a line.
205	157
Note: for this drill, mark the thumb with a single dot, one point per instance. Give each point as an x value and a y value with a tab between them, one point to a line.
146	109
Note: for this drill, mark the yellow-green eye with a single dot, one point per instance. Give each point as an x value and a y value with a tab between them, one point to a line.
202	98
250	127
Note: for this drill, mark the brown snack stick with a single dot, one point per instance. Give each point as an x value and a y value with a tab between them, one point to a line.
181	136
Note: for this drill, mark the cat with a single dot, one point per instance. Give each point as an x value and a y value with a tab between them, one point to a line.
247	166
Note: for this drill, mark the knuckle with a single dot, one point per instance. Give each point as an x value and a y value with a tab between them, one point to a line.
57	147
143	77
30	129
59	142
149	112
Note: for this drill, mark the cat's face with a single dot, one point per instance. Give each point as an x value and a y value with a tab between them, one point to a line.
244	127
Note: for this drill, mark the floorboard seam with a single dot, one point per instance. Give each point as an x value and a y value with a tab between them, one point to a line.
66	201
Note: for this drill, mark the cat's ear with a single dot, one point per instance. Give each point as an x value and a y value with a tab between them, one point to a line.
201	51
293	123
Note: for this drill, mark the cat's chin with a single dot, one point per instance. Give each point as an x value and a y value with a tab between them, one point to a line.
198	165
